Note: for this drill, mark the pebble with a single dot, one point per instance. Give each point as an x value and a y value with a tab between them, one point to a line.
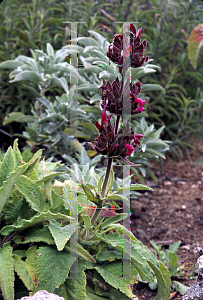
43	295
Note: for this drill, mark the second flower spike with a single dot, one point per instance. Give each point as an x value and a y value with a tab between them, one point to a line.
112	97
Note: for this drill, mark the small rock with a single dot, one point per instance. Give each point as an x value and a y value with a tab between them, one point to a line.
43	295
195	292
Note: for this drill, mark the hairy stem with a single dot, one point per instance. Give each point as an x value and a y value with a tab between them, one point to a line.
106	179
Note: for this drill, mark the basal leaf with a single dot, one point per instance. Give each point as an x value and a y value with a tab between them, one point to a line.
76	286
181	288
47	183
56	202
7	272
38	218
116	240
195	44
7	166
163	280
30	190
48	177
112	273
31	263
23	273
77	248
61	234
41	235
8	184
16	152
109	255
52	267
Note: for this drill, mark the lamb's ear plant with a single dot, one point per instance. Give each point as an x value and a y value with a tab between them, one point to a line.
65	236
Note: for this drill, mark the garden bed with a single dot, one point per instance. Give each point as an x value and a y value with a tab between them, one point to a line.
173	212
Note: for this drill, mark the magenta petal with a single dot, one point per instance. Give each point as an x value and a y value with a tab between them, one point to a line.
104	118
139	33
104	114
138	136
130	149
97	124
140	101
139	109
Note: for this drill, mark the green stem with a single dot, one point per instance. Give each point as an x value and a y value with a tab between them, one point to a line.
98	210
106	179
108	170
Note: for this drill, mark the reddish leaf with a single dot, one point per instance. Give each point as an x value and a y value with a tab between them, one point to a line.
195	44
104	212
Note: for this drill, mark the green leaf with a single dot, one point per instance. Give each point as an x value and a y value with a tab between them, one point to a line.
77	248
8	184
7	272
18	117
174	247
26	75
84	157
112	273
16	152
30	190
52	262
114	219
134	253
41	235
110	181
173	259
134	187
181	288
10	64
51	176
152	87
38	218
90	195
47	183
61	234
7	166
31	263
109	255
163	280
55	81
22	271
50	50
76	287
122	229
87	221
92	296
56	202
116	197
195	44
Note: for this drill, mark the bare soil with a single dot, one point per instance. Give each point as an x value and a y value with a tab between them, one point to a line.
172	212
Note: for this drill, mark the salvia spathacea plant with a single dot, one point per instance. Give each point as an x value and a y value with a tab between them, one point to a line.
41	224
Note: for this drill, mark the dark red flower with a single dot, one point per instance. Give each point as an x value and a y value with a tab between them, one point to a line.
118	145
136	48
112	97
